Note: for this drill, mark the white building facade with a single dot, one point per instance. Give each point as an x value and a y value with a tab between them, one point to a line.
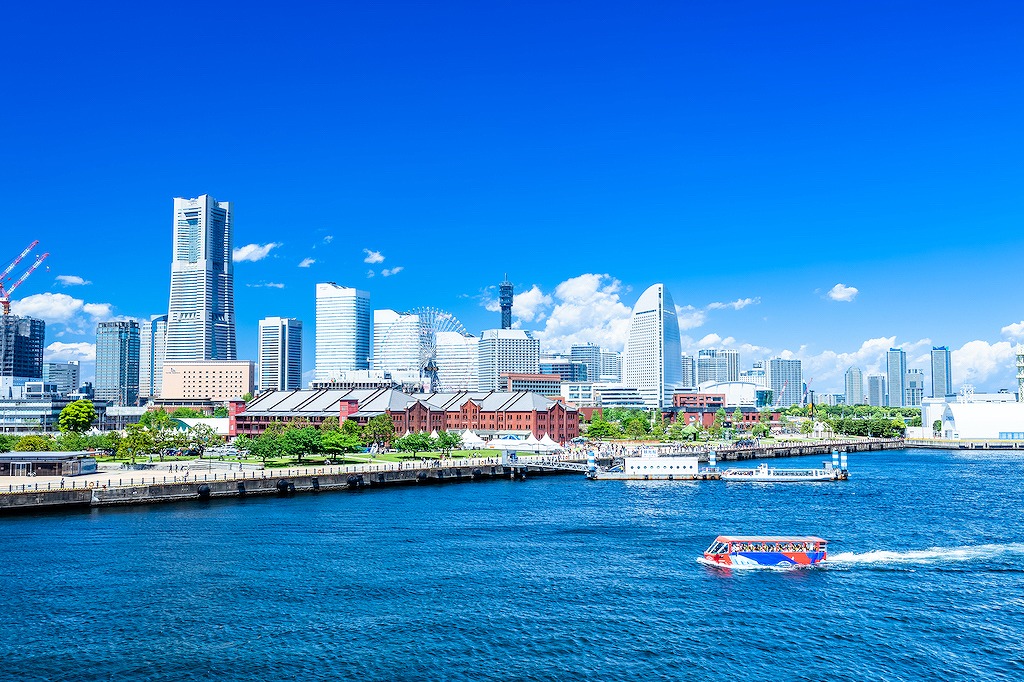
342	330
896	376
280	354
506	351
652	362
201	312
458	362
854	386
152	350
786	380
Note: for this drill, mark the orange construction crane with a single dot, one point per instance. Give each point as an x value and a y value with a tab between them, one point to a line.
5	292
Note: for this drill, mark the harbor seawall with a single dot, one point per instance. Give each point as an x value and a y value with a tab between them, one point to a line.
256	483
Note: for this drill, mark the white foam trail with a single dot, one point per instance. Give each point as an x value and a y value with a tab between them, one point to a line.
930	555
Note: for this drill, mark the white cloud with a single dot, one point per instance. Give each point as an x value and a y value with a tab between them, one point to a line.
265	285
97	310
738	304
83	352
48	307
393	271
370	273
306	262
253	252
328	239
841	292
1014	331
373	257
529	305
72	280
982	363
587	308
690	317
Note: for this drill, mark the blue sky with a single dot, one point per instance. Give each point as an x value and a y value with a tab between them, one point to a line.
751	156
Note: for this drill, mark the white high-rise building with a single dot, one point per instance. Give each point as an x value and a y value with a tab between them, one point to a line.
652	362
201	314
590	355
396	341
896	376
611	366
854	386
66	375
458	362
713	366
342	330
876	390
506	351
786	380
152	349
942	372
913	392
280	354
689	372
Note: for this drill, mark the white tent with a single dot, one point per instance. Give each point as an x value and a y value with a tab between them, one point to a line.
471	441
532	440
433	434
549	444
508	443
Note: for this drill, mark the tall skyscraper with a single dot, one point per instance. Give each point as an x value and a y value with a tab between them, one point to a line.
854	386
914	388
505	298
342	330
732	364
117	362
896	376
152	349
396	341
786	380
506	351
590	355
876	390
458	362
66	376
21	353
942	372
611	366
280	354
652	362
201	313
713	365
689	372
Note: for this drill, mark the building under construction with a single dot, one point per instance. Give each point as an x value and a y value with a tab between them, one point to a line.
21	353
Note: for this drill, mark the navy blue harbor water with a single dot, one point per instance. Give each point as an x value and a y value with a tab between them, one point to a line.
554	578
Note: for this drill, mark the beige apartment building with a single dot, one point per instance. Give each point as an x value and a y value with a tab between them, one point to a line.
207	379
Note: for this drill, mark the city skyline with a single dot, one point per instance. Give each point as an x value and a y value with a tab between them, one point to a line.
774	190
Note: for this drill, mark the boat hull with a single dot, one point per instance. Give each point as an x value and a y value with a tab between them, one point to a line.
764	559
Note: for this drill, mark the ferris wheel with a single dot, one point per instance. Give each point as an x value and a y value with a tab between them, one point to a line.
410	342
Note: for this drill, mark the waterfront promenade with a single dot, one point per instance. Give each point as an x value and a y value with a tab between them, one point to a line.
205	479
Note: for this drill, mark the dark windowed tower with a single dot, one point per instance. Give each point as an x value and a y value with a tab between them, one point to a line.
505	299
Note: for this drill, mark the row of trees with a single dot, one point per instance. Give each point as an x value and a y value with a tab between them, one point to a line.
299	439
640	425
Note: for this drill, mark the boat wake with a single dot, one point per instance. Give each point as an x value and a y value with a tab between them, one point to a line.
927	556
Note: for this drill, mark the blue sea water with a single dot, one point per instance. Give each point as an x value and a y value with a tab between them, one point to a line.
549	579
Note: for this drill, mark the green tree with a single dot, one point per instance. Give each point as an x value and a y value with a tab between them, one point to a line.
186	413
298	442
937	427
220	412
329	424
337	442
33	444
737	419
247	397
70	442
447	441
806	427
759	430
637	427
601	429
77	417
202	436
138	441
8	441
380	430
415	443
351	427
718	424
264	447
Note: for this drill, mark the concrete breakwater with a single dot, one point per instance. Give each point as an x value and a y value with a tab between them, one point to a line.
158	489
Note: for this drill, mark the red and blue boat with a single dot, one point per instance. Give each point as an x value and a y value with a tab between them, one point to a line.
771	551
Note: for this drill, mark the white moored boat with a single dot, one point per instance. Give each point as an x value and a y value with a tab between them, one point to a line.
767	474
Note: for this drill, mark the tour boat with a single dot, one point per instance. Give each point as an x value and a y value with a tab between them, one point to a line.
755	551
767	474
